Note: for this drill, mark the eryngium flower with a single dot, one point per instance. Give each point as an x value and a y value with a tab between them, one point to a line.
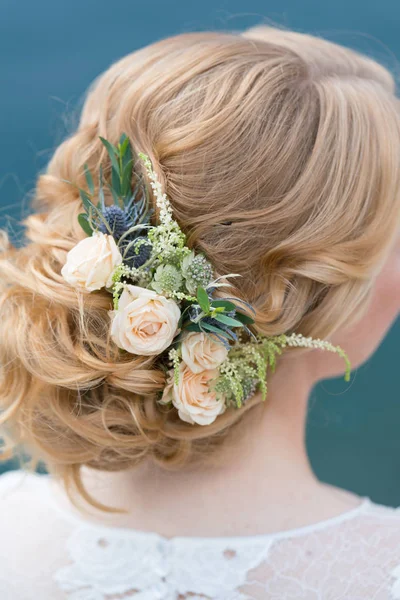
138	253
117	220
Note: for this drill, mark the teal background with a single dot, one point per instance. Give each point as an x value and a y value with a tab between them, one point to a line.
51	50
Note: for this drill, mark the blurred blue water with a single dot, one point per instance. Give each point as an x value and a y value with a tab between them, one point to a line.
51	50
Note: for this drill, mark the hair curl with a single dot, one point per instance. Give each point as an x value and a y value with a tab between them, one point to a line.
280	153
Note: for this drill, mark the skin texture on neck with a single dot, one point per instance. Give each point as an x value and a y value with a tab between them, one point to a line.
262	482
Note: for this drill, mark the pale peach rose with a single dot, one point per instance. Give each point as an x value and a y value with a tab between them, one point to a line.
201	352
91	263
145	322
193	397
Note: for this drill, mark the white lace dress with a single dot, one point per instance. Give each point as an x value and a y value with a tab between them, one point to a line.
49	554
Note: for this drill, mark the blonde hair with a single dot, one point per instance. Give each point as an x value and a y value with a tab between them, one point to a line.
280	153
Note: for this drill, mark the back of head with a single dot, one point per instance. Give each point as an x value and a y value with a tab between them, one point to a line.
279	152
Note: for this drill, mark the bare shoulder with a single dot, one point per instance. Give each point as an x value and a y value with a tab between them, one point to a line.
370	515
355	554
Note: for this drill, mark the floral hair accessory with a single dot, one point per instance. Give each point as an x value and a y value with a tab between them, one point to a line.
164	296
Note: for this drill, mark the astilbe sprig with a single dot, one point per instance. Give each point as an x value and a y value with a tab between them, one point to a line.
174	356
168	240
252	359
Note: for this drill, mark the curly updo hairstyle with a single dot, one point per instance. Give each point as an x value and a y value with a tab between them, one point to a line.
280	153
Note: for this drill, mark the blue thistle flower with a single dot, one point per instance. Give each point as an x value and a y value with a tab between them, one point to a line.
117	219
194	312
133	259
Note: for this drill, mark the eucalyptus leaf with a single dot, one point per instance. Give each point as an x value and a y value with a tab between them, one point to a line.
126	178
87	203
126	153
203	300
114	195
227	320
215	330
217	334
128	156
192	327
101	190
84	223
92	210
243	302
244	318
223	304
124	143
89	179
116	182
112	153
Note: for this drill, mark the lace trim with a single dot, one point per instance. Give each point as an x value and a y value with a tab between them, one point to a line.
111	565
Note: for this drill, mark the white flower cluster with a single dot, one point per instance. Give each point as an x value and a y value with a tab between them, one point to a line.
162	202
298	340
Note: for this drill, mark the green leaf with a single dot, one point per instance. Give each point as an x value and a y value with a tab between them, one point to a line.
123	143
114	194
227	320
112	153
84	223
87	203
244	318
126	178
192	327
128	155
91	209
116	182
101	189
203	300
215	330
89	179
223	304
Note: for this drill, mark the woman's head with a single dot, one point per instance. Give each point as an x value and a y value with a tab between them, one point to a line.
279	153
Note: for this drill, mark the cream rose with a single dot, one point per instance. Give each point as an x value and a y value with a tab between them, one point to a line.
201	352
145	323
193	397
91	263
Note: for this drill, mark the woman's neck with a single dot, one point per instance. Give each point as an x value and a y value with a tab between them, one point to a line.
262	483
